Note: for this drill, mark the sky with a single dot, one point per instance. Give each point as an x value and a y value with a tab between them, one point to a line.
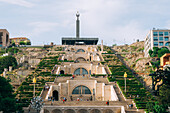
113	21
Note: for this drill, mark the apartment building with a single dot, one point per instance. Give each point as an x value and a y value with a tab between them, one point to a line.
4	38
157	38
20	41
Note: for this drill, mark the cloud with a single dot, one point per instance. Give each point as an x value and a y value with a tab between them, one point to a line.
19	2
110	20
41	27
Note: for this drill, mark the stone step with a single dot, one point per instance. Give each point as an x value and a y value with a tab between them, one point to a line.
134	111
64	79
44	93
86	103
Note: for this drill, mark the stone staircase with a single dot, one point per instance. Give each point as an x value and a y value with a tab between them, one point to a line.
86	103
94	104
121	102
44	93
64	79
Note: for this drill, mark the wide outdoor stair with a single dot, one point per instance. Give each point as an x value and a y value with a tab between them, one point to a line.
86	103
61	79
44	93
26	110
64	79
120	96
94	103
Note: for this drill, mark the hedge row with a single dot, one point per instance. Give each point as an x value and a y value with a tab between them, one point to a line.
134	89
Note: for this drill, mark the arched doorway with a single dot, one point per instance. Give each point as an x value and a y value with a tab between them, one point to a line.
62	72
95	111
57	111
69	111
80	59
82	111
108	111
46	111
55	95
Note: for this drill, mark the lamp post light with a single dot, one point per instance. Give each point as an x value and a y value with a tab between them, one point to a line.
34	81
125	76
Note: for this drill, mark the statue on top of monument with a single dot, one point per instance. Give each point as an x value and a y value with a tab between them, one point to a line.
77	15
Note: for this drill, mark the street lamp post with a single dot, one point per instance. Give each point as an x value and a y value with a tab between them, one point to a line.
125	76
34	81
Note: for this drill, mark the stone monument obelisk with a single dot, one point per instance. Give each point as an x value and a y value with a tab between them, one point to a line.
77	25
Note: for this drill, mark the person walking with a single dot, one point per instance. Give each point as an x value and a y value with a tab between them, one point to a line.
107	102
127	106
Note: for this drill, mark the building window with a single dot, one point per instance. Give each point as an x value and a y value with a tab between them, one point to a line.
81	90
160	38
155	33
161	43
166	34
7	39
84	71
166	38
167	44
155	43
155	38
1	34
81	71
77	71
80	50
160	33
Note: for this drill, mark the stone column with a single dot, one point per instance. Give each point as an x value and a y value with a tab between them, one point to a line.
65	69
91	68
102	46
97	69
70	69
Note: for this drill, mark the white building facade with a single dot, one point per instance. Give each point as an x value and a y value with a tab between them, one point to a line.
156	38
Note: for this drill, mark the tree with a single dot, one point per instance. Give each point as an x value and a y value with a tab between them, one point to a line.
158	52
114	45
7	99
22	43
159	108
155	107
162	51
164	95
150	106
150	53
7	61
12	43
159	78
28	43
13	50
